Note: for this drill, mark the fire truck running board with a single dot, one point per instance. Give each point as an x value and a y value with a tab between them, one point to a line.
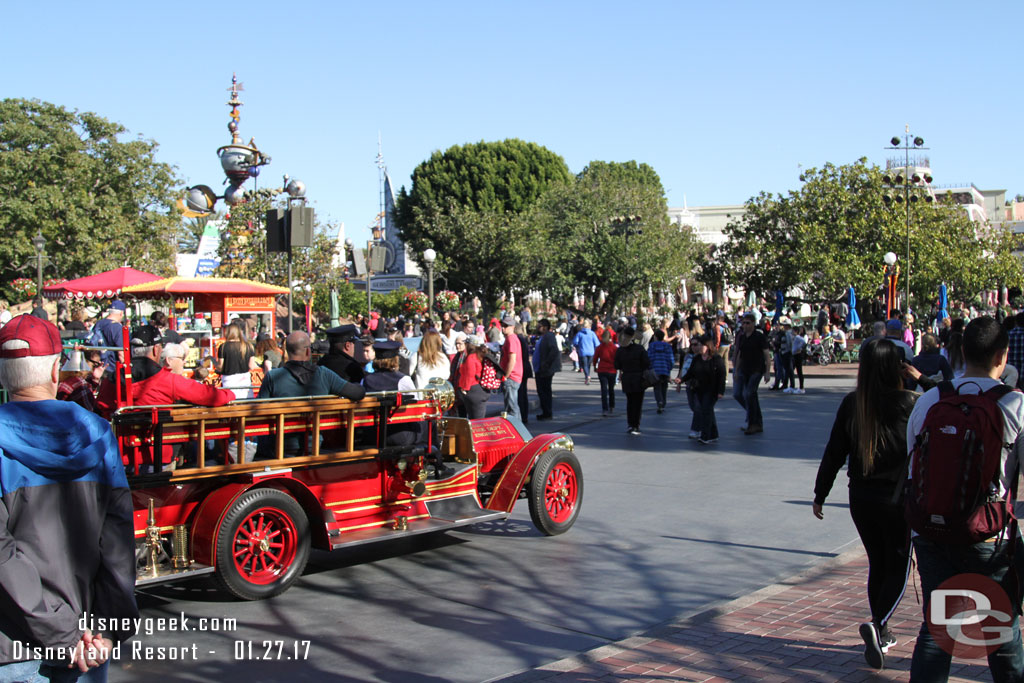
415	527
172	574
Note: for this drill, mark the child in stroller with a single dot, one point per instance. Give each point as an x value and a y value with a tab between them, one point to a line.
822	350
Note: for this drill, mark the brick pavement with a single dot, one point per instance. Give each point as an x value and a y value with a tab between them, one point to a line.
802	629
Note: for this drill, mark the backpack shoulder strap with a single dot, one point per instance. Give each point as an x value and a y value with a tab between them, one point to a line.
945	389
997	392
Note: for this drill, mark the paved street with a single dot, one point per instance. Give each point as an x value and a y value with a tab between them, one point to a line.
667	529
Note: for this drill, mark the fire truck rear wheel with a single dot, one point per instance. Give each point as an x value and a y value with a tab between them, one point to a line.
263	544
556	491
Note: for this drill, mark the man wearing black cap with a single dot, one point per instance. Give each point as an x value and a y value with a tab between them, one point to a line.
341	356
146	343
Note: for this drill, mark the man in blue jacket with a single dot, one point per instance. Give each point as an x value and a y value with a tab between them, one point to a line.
585	342
67	541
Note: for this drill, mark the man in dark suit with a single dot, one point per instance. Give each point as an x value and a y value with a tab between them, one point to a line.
547	361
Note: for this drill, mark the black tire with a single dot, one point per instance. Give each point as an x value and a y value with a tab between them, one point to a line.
262	544
555	492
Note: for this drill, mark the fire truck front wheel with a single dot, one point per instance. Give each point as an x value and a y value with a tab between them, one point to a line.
556	491
263	544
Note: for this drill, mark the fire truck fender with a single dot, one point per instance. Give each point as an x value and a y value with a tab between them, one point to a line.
210	514
520	466
208	519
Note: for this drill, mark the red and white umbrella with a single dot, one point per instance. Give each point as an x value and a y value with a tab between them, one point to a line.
100	286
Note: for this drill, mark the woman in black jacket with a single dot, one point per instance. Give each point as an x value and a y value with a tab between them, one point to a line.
706	375
631	360
870	431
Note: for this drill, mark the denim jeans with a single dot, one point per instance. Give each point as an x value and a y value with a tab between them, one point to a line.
938	562
607	380
661	391
706	408
691	400
745	392
786	365
585	362
510	389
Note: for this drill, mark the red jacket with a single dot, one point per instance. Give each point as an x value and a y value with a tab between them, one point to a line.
604	358
166	387
469	372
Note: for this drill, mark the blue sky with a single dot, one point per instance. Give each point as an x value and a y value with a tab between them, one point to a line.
722	99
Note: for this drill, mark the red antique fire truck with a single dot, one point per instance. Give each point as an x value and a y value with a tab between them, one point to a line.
252	523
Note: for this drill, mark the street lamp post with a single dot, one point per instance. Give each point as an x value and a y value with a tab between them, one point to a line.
905	180
892	276
429	255
39	242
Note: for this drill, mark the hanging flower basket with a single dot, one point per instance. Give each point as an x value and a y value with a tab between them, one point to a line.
447	300
414	302
25	287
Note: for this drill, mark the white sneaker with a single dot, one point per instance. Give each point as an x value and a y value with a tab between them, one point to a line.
694	435
799	391
787	390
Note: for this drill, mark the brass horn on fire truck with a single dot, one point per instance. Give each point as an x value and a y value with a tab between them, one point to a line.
443	392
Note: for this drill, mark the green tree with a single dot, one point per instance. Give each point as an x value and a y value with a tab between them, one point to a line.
608	232
100	201
833	232
468	203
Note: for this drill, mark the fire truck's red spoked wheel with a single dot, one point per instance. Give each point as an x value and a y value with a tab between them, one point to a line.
262	545
556	491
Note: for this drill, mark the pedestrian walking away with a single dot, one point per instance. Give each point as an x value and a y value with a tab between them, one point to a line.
870	432
631	360
604	364
585	342
982	543
662	360
752	361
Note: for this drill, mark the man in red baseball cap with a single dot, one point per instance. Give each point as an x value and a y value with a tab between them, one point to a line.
67	509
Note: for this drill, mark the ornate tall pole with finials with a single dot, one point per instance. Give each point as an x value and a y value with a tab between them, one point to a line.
241	161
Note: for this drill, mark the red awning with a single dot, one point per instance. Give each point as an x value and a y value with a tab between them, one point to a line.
190	286
100	286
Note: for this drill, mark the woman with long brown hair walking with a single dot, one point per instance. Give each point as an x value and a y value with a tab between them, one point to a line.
870	432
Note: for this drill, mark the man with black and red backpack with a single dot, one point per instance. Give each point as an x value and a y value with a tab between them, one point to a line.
964	439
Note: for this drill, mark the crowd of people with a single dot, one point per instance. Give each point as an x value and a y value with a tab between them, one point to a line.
883	431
